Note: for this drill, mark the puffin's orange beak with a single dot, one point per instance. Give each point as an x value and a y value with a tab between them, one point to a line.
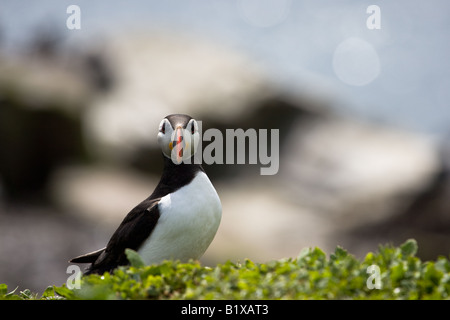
178	144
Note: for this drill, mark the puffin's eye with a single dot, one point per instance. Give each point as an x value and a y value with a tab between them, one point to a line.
163	128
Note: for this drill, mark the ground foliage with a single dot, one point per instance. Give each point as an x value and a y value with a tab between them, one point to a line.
311	275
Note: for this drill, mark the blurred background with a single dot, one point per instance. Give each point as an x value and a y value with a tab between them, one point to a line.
363	115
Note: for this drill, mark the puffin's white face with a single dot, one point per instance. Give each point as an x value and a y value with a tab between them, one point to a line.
178	142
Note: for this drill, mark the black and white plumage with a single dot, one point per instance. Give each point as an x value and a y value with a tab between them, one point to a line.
179	219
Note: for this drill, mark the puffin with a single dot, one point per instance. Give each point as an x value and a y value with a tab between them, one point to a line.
179	220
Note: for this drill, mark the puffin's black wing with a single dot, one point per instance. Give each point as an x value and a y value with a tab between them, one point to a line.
135	228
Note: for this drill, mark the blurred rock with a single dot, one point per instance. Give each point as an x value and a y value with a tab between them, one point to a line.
336	176
36	83
100	194
162	73
33	143
424	217
362	176
42	97
356	169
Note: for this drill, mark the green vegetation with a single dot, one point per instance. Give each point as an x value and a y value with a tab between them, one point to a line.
311	275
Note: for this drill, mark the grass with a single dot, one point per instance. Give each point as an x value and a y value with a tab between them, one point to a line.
390	273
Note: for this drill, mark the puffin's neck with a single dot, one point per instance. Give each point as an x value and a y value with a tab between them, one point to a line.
175	176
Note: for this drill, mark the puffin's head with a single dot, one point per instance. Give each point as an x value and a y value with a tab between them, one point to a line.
178	137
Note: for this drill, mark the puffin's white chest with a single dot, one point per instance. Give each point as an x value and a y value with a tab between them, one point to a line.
189	219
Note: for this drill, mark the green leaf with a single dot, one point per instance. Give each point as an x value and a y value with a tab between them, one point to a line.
3	289
49	293
304	253
64	292
409	248
340	253
26	294
134	258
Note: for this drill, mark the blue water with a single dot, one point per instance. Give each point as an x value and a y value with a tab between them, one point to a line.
294	40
